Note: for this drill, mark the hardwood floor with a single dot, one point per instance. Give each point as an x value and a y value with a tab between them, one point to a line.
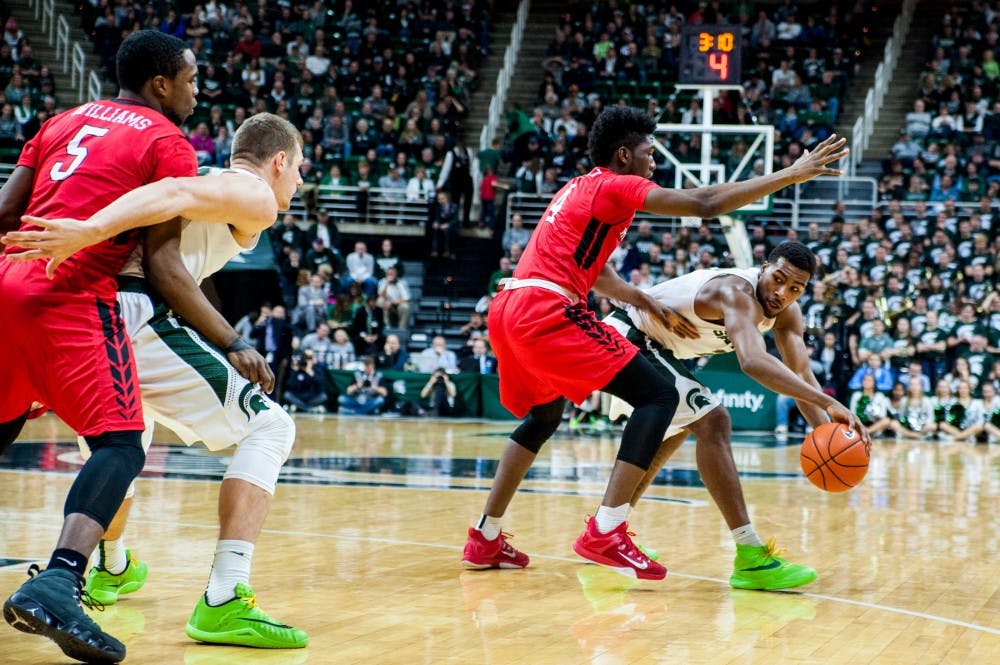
362	546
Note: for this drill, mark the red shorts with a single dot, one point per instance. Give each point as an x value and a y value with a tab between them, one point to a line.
547	348
67	349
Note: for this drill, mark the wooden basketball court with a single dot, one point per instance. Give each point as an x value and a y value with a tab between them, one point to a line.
362	546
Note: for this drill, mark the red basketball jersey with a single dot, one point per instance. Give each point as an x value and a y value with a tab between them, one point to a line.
580	229
86	158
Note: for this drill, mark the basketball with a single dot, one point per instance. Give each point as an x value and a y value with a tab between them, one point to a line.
834	458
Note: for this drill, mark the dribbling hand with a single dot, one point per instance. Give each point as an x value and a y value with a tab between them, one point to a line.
841	414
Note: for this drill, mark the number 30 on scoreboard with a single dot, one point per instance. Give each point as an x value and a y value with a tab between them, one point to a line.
710	54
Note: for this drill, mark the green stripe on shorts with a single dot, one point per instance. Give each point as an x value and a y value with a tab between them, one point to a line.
198	355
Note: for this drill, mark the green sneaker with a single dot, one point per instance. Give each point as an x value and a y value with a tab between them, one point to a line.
760	568
652	554
242	623
105	587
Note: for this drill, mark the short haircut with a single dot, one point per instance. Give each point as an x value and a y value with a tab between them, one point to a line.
795	253
262	136
618	127
146	54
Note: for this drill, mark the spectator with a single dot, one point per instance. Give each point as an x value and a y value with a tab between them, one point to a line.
273	335
515	234
320	345
367	327
310	311
387	258
342	349
305	390
916	418
873	367
394	299
367	395
503	272
481	361
487	200
438	394
443	227
393	356
437	356
361	269
456	176
870	406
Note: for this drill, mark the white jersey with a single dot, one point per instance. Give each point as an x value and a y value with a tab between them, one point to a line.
205	247
680	294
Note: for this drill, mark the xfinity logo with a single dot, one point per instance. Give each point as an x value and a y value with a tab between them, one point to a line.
744	400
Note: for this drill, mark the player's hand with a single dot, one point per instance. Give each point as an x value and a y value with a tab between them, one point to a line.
841	414
813	163
253	367
58	240
674	322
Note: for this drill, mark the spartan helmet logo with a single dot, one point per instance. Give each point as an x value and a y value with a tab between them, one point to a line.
696	401
849	434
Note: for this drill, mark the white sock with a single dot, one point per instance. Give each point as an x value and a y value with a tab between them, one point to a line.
489	527
230	567
608	518
113	557
745	535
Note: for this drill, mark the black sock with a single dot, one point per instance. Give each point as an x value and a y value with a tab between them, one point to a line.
70	560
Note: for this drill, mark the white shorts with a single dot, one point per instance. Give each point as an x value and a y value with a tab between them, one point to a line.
696	400
187	384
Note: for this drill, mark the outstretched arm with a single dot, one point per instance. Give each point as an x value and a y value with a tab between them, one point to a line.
715	200
246	204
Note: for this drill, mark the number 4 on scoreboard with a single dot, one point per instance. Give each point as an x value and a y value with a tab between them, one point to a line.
719	62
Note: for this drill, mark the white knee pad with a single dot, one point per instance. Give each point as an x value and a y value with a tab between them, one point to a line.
259	456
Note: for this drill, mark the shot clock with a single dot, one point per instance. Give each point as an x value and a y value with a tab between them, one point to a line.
710	54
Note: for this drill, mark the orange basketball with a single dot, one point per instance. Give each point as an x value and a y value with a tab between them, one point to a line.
834	458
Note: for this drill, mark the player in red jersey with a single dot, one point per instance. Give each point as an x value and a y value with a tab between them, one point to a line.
64	340
549	347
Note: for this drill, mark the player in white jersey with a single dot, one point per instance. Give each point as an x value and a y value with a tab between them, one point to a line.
731	310
202	384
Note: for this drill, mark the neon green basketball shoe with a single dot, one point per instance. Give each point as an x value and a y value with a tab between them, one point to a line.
242	623
105	587
761	568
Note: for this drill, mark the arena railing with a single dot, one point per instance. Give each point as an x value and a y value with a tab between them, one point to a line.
56	29
495	113
864	126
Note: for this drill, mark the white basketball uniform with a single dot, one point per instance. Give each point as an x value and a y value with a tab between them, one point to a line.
665	349
187	384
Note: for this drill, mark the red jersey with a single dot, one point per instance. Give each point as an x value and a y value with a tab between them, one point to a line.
582	226
86	158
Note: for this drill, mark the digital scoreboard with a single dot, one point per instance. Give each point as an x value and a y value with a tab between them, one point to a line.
710	54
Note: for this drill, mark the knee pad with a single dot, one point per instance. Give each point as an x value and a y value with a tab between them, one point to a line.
259	456
541	423
116	459
646	427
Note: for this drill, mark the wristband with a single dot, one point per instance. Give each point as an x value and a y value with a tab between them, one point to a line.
239	344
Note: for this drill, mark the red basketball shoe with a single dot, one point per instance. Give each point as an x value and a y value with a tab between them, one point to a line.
616	550
498	553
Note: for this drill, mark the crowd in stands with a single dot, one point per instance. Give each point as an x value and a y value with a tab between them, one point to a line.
949	147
